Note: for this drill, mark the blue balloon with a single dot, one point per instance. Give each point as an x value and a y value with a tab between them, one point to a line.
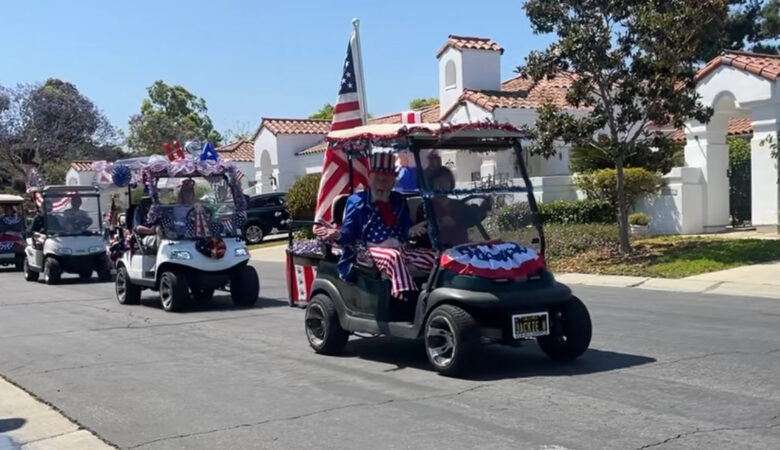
208	153
121	175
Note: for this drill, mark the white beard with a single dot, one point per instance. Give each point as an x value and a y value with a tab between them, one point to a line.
380	197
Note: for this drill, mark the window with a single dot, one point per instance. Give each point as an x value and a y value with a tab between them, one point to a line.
450	78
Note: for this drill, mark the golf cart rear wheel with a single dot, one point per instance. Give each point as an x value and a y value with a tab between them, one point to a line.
451	336
52	271
253	233
126	292
174	291
244	286
29	274
570	331
323	330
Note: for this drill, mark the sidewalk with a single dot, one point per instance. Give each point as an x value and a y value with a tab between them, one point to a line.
270	254
760	280
28	424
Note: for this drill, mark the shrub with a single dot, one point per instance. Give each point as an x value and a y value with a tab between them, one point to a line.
602	184
563	240
577	211
588	159
739	180
640	219
302	197
508	218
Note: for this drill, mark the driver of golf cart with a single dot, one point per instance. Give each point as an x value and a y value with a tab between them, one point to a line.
376	228
76	220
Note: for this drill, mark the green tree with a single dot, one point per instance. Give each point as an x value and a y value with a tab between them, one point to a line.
326	112
752	25
632	65
170	113
48	125
419	103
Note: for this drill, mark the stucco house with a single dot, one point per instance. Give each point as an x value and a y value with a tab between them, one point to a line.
242	154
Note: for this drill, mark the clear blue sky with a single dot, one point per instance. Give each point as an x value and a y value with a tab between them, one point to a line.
248	59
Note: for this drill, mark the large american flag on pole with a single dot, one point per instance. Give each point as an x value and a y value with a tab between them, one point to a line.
349	112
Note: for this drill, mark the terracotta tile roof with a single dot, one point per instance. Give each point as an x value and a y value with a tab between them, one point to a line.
763	65
82	165
469	43
738	126
238	151
314	149
428	114
522	93
294	126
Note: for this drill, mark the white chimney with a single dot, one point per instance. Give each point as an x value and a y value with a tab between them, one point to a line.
467	63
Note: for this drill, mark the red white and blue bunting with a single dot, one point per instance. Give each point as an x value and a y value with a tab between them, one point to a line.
493	260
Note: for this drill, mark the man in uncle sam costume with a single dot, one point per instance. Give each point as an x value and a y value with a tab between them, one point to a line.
377	222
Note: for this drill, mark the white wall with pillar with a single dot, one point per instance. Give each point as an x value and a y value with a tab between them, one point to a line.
763	168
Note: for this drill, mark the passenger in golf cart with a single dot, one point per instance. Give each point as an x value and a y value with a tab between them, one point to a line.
11	231
477	290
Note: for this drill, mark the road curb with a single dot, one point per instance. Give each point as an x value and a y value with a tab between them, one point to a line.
686	285
39	425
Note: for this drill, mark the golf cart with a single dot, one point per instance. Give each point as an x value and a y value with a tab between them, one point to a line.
68	237
11	231
198	211
481	290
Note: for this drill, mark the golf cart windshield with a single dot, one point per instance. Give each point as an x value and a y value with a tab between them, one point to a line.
11	219
196	207
71	214
479	211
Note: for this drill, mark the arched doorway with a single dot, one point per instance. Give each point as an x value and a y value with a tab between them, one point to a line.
266	173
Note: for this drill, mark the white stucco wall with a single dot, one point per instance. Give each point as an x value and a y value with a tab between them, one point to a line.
481	69
678	208
291	166
265	143
448	95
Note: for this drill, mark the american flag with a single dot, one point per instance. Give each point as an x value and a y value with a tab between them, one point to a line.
58	205
349	112
239	175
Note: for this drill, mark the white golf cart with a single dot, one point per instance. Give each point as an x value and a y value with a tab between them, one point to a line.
67	235
197	247
11	231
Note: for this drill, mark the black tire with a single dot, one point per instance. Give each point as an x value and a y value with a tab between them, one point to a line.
174	291
202	294
254	233
52	272
323	330
104	274
451	337
244	286
29	274
570	331
126	292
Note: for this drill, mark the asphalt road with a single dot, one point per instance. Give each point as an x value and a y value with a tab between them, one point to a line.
665	370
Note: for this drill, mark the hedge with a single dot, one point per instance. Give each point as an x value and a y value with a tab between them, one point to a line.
518	215
602	184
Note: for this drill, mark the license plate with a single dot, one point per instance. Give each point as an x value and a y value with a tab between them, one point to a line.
525	326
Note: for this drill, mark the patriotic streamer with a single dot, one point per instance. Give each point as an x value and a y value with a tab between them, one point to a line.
493	260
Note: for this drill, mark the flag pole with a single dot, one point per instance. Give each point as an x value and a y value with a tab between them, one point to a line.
359	64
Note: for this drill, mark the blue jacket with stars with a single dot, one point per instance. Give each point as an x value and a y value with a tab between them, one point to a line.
363	223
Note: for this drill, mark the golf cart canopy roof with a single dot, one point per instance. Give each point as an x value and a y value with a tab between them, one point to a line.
8	199
485	136
67	190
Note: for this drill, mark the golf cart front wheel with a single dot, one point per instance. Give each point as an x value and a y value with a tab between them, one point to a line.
174	291
323	330
52	271
126	292
29	274
570	331
245	286
451	336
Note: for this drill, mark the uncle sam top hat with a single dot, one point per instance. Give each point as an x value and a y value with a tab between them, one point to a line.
383	163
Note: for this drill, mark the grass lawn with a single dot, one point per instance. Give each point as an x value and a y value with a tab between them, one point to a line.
672	257
275	242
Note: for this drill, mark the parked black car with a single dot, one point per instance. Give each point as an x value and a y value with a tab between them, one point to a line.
266	214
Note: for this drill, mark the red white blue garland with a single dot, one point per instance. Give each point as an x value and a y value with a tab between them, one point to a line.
493	260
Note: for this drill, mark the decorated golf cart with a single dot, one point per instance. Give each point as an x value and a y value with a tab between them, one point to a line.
67	235
12	230
482	289
197	210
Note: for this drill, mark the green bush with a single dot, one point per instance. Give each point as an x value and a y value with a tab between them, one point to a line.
302	197
739	180
577	211
508	218
563	240
602	184
640	219
588	159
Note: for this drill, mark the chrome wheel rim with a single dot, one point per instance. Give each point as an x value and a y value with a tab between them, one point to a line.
315	325
121	285
254	233
166	292
440	341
